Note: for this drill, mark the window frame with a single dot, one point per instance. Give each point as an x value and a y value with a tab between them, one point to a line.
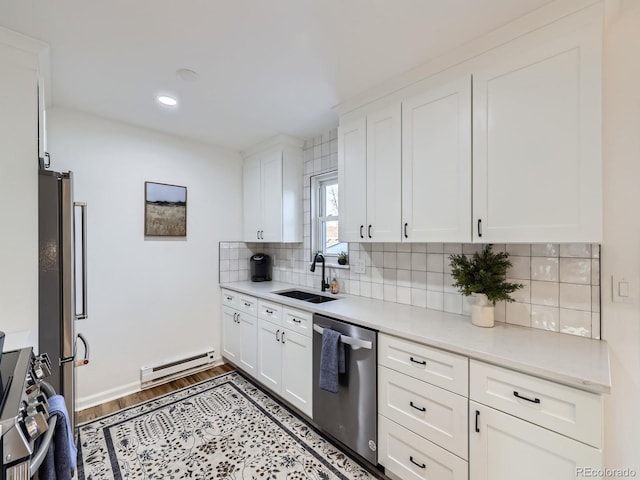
318	199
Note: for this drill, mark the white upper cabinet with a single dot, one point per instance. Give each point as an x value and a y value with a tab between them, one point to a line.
273	191
436	163
369	169
352	179
537	167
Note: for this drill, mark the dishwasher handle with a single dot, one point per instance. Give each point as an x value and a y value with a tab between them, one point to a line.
353	342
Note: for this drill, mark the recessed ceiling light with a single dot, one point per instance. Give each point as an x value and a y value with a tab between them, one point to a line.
168	101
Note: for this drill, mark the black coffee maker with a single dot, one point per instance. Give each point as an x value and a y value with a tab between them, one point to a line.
260	266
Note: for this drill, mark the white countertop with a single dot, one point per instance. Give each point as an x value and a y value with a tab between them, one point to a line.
576	361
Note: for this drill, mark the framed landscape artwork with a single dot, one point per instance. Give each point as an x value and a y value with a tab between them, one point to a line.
165	210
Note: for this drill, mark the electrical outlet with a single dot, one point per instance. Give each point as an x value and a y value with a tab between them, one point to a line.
623	289
359	266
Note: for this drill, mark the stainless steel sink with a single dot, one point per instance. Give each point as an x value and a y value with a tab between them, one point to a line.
310	297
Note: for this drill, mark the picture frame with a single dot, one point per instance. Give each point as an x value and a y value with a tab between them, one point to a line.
165	210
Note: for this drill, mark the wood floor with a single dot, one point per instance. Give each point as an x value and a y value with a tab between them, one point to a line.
144	395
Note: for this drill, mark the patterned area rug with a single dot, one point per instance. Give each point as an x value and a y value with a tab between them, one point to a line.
223	428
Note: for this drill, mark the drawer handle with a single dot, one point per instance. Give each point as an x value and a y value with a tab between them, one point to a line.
421	465
535	400
270	312
229	298
419	362
296	320
422	409
278	335
477	426
247	304
283	332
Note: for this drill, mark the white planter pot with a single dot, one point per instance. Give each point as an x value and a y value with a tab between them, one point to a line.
482	311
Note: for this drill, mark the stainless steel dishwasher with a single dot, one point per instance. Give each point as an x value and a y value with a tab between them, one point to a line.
349	416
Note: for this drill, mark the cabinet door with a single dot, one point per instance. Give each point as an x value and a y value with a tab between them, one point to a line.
384	175
230	335
270	355
252	195
352	179
297	370
271	178
436	164
503	447
537	174
248	332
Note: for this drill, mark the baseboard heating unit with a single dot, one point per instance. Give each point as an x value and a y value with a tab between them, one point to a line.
172	369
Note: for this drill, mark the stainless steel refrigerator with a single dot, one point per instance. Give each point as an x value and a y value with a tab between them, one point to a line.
62	280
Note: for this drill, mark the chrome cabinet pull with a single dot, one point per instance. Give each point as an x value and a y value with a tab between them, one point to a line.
535	400
422	409
421	465
419	362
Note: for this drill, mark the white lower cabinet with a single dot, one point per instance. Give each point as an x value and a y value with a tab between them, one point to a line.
285	359
240	339
410	456
503	447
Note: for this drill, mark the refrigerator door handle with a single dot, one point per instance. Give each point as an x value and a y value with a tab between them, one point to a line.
85	360
83	237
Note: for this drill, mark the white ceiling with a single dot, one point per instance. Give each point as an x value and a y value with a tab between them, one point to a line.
265	66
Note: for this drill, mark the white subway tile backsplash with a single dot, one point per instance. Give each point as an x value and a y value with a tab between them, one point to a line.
520	268
435	262
390	293
581	250
575	270
595	272
575	322
404	278
419	247
522	295
450	248
419	279
404	260
452	302
435	300
545	293
390	276
419	261
519	314
390	259
545	318
404	295
545	250
435	281
500	312
448	281
544	269
403	247
576	297
365	289
419	298
520	250
595	325
435	247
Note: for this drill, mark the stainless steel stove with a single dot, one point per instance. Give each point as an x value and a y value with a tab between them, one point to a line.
23	413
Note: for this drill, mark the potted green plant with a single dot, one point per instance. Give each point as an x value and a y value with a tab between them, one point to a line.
483	276
342	258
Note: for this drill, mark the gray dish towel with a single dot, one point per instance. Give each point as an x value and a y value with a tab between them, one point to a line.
332	360
60	461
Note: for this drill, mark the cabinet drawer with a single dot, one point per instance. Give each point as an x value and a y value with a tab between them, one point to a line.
566	410
431	412
230	298
409	456
440	368
248	304
298	321
270	311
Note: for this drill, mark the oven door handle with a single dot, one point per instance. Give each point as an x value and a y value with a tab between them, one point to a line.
354	342
38	457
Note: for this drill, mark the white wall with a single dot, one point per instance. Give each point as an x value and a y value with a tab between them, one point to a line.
621	243
149	299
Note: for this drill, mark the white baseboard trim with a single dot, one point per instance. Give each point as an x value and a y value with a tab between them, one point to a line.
89	401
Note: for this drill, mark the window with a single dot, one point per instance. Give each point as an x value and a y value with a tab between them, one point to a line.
324	216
